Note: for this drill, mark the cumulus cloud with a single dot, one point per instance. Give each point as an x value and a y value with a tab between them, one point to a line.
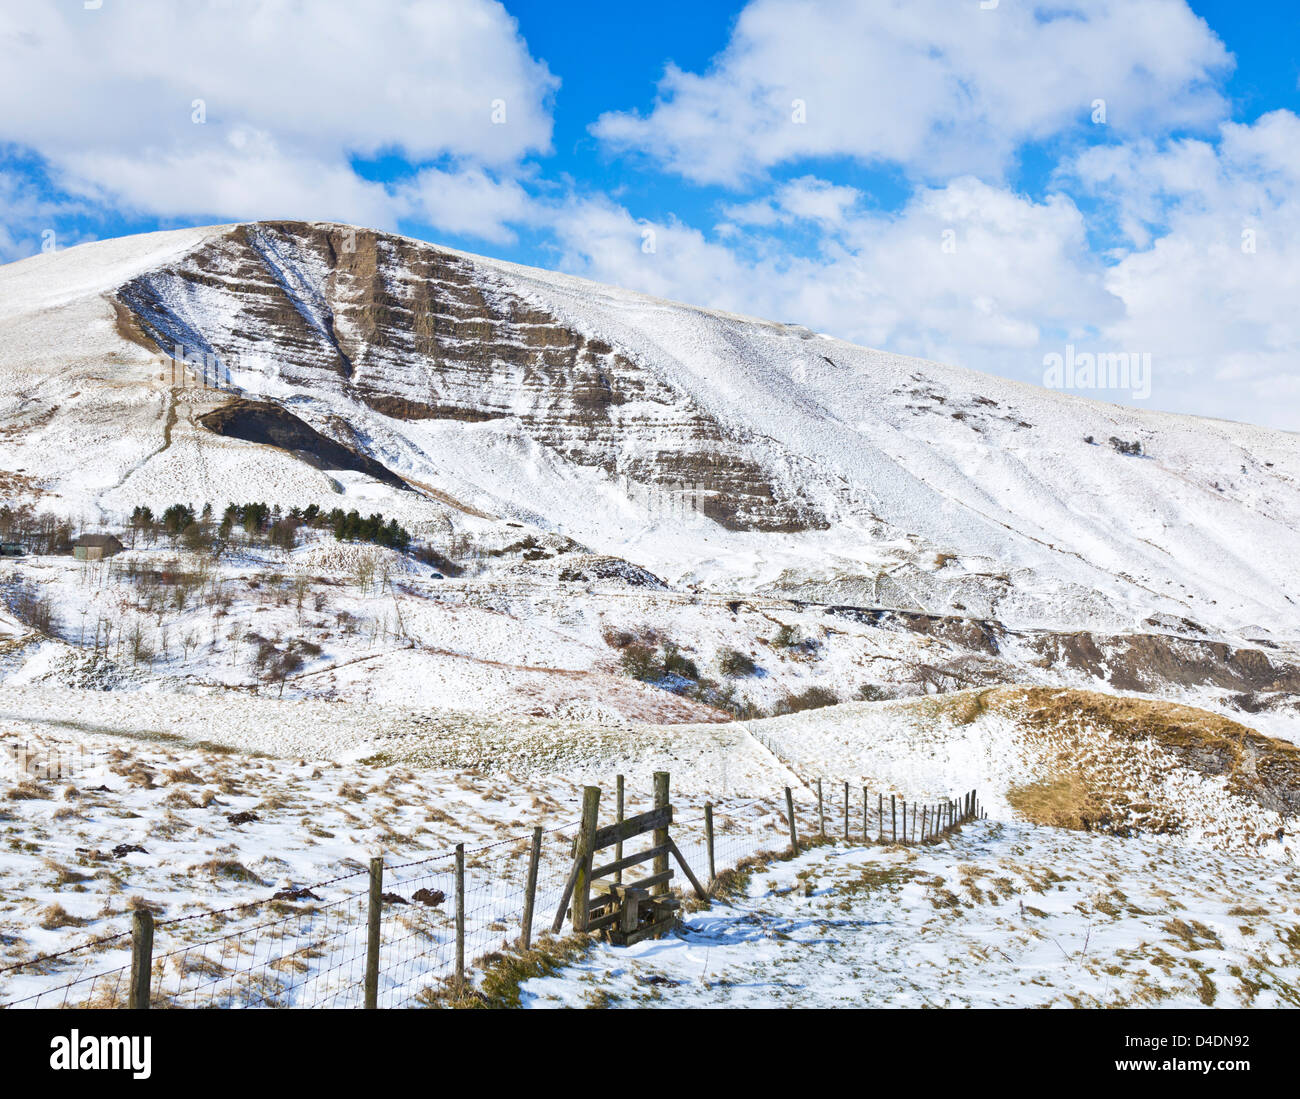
938	87
469	201
1211	283
803	199
251	108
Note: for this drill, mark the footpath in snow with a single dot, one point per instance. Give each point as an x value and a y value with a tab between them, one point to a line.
1001	915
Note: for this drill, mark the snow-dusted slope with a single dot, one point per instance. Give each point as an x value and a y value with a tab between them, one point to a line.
732	453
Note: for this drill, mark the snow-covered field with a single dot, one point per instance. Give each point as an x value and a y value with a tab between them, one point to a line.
998	915
219	844
192	804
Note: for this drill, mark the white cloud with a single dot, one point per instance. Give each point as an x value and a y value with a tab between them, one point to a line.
243	177
469	202
290	92
939	86
804	199
1212	286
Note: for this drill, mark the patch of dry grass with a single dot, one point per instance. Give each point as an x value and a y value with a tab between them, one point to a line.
1069	800
55	916
502	974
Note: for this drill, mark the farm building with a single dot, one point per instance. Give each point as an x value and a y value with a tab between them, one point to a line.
95	547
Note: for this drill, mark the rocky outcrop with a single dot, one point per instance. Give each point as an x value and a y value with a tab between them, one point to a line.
416	332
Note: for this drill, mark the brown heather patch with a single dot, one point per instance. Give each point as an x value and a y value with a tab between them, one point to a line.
1257	768
1067	801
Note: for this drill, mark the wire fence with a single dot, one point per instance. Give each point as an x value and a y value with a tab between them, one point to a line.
309	946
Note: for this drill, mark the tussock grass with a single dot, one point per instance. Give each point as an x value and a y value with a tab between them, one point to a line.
501	975
55	916
229	869
1069	800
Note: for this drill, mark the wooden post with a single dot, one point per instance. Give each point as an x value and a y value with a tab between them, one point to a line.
904	801
821	811
708	839
789	816
460	917
618	817
846	810
582	864
924	810
880	809
662	801
530	897
373	914
893	816
866	813
141	958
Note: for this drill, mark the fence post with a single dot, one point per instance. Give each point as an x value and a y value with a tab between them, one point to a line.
662	801
821	811
846	810
141	958
374	912
460	918
893	816
530	898
866	813
880	809
904	801
789	815
924	809
708	838
582	868
618	817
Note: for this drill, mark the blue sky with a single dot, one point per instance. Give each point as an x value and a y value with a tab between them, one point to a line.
979	184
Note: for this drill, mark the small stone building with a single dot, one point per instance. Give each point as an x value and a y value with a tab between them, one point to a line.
95	547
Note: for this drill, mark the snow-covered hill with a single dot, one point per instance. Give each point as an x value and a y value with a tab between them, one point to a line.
715	450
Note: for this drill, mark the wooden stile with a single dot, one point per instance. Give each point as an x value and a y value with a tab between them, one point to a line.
618	819
661	834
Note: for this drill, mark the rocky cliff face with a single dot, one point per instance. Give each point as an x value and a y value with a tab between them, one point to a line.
414	332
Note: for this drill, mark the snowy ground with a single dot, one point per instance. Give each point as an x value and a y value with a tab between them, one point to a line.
94	826
371	626
331	784
1000	915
